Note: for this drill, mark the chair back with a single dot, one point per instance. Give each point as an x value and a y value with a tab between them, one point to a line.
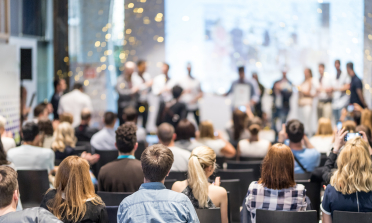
33	184
220	160
255	165
209	215
266	216
302	176
323	159
141	147
178	175
112	212
344	216
83	147
106	156
313	192
232	187
113	198
168	183
242	158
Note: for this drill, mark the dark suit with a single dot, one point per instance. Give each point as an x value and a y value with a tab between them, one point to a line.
55	102
84	133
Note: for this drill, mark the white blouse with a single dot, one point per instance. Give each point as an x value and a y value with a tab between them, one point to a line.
257	149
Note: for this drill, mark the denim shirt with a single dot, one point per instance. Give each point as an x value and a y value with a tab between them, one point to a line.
154	203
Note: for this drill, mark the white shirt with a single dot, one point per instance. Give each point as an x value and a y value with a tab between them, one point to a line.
141	83
323	144
141	134
325	83
74	102
192	89
160	83
257	149
215	144
181	159
27	157
340	99
8	143
104	139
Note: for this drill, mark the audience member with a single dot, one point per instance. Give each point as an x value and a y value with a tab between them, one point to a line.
185	132
363	128
166	137
356	87
163	84
215	141
254	146
130	115
40	112
66	117
74	199
238	131
125	173
84	132
74	102
46	133
323	139
153	200
366	118
276	190
3	159
203	194
9	199
258	106
340	85
349	126
6	138
59	89
105	138
64	141
172	111
350	188
307	158
29	156
324	92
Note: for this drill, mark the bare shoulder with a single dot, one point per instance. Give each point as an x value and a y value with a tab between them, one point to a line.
218	190
179	186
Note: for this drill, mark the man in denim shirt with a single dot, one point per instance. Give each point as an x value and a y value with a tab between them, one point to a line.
153	202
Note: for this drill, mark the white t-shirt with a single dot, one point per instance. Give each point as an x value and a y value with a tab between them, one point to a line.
340	99
141	83
215	144
160	83
257	149
327	82
181	159
141	134
8	143
322	143
191	88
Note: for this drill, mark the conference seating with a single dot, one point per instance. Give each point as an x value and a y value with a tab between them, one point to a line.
266	216
33	184
220	161
255	165
141	147
347	217
106	156
232	187
212	215
302	176
323	159
313	192
83	147
169	183
113	198
250	159
112	212
178	175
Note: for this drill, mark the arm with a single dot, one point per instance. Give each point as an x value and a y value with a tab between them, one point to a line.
326	218
159	118
103	218
238	153
306	143
249	111
361	97
229	150
224	209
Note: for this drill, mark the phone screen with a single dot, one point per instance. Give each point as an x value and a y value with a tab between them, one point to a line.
339	125
352	135
350	108
242	108
216	134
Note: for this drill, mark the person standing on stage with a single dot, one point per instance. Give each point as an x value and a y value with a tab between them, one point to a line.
163	85
281	92
324	92
340	85
128	92
356	87
258	106
191	93
143	80
59	88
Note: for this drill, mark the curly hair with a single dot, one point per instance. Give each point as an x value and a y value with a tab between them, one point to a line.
126	137
63	136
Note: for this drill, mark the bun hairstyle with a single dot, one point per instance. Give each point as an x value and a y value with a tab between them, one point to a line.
254	125
201	158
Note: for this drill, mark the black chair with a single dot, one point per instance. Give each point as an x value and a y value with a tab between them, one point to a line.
33	184
140	149
302	176
112	212
83	147
57	162
232	186
250	159
178	175
169	183
113	198
313	192
265	216
344	216
323	159
106	156
209	215
255	165
220	161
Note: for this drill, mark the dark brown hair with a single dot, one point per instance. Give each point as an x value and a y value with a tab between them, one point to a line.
156	162
239	119
8	184
66	117
45	127
254	125
278	168
3	160
130	114
185	130
126	137
109	118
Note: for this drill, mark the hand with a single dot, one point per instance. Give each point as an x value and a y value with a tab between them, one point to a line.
339	140
149	83
357	107
217	181
135	89
282	135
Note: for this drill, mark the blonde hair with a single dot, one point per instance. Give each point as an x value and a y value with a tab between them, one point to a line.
366	118
354	172
201	158
349	125
206	130
63	136
324	127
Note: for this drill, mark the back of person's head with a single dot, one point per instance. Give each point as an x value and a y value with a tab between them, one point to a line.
66	117
29	131
3	159
239	121
165	133
278	168
354	168
2	122
39	109
177	91
156	161
366	118
78	86
295	130
202	157
63	136
130	114
74	187
126	137
46	127
349	125
350	65
206	130
8	185
86	115
254	125
109	118
324	127
368	132
185	130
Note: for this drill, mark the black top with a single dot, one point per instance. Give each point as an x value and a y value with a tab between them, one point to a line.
286	95
69	151
355	84
55	102
84	133
188	192
94	213
171	112
30	215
